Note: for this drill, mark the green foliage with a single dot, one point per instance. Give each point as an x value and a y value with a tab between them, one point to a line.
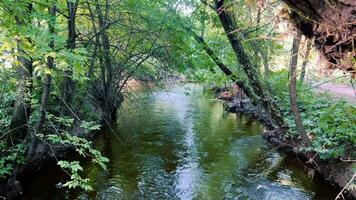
335	129
73	168
85	149
82	146
90	126
10	158
330	123
61	121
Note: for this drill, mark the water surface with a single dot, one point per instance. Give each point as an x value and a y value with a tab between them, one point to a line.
176	144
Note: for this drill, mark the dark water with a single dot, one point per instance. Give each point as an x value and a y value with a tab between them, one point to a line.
175	145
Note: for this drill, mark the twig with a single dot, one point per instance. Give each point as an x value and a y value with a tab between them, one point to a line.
347	160
315	86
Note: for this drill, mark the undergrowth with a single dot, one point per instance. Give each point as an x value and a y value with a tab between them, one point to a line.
330	123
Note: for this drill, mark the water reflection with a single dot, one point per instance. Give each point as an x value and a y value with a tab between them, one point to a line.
176	146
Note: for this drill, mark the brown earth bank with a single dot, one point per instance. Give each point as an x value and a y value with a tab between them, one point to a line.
335	172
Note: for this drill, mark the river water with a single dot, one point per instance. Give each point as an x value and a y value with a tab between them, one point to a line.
175	143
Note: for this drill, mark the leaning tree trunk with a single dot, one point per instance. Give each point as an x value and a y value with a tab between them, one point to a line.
245	88
22	107
230	28
293	91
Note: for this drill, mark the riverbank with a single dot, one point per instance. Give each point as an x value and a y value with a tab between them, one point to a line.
335	172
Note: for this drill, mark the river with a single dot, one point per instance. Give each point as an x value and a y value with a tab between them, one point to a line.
176	143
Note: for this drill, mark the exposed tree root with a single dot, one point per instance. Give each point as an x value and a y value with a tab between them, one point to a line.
332	23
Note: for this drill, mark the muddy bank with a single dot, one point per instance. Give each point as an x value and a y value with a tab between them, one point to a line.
333	171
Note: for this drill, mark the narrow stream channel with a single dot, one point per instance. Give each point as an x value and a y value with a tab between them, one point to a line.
175	145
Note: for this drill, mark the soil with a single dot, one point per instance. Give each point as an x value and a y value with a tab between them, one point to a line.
338	91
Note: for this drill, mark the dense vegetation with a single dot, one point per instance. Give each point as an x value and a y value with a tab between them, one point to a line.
64	65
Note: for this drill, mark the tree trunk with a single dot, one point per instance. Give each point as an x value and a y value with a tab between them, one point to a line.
68	83
230	28
97	46
293	91
258	17
106	47
306	59
21	113
248	91
109	98
22	107
48	77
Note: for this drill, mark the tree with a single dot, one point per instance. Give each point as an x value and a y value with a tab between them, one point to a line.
293	90
241	84
21	113
306	59
50	64
225	15
68	84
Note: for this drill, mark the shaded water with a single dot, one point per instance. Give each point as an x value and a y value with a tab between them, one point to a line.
175	145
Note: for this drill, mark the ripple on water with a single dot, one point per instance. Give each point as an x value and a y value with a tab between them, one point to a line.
110	192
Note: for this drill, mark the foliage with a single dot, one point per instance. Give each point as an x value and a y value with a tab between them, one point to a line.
10	158
76	180
85	149
330	123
